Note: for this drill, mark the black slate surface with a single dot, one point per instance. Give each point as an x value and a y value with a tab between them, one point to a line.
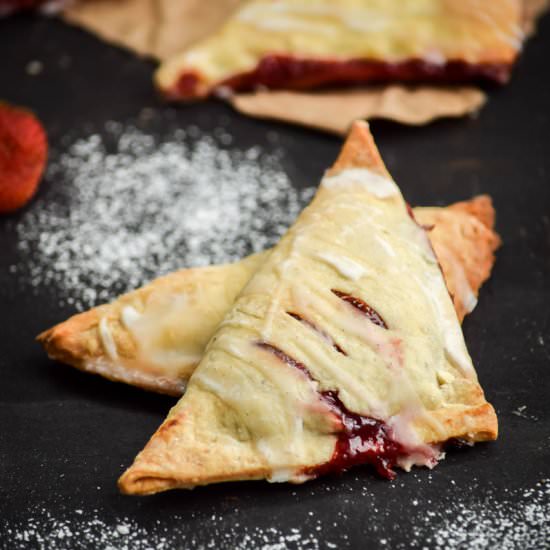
65	436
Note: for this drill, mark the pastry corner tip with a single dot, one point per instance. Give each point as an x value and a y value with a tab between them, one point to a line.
489	419
132	483
139	479
360	151
44	336
481	207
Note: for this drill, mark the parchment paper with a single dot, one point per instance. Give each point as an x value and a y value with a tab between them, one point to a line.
155	28
335	111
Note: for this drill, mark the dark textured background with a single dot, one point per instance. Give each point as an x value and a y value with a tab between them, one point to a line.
65	436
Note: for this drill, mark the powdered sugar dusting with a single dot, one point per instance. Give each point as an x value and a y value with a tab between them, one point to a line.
522	521
518	520
124	208
43	531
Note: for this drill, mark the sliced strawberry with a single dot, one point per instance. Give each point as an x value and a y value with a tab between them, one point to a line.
23	153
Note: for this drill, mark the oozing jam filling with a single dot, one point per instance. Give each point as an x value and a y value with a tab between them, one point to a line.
362	439
284	71
362	306
314	327
186	87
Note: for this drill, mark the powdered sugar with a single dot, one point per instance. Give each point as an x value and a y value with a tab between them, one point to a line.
43	531
123	209
520	520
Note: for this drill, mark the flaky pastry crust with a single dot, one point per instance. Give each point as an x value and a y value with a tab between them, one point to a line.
464	242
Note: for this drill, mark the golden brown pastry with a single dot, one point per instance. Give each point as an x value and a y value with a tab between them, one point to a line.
154	337
343	349
464	242
310	43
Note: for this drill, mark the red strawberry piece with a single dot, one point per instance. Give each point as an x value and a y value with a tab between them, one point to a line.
23	153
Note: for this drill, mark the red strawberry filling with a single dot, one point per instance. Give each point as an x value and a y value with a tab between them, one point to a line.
362	439
363	307
277	71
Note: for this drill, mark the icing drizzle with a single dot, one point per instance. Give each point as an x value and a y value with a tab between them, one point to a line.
361	439
379	186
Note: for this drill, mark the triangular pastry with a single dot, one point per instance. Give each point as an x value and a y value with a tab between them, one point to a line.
343	349
313	43
154	337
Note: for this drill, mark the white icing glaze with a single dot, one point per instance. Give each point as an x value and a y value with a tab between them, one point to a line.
381	187
283	269
156	331
455	352
419	238
463	290
308	302
281	475
382	341
345	266
427	457
290	475
282	23
107	339
386	246
455	349
129	316
433	288
403	431
470	301
292	385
